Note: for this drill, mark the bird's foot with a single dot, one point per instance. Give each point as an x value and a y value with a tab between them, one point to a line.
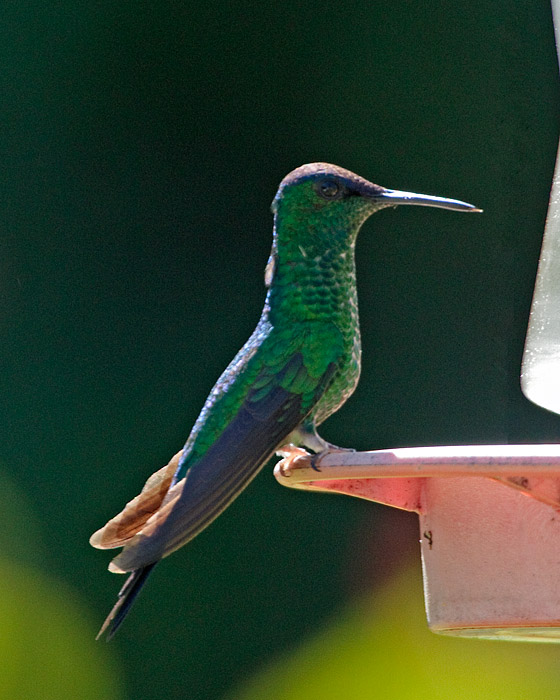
290	454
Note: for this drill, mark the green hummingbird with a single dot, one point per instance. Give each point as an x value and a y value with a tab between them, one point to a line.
299	366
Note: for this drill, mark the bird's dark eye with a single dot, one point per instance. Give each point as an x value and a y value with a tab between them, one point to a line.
328	189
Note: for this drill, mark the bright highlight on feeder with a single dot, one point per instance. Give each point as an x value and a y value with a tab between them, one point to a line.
540	374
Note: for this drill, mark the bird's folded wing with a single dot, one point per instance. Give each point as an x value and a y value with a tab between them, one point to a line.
277	403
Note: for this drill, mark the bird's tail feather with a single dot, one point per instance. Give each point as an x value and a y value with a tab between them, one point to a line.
127	596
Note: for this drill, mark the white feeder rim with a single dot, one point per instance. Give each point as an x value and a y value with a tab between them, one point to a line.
494	461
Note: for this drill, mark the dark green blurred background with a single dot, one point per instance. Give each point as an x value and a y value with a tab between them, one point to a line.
141	146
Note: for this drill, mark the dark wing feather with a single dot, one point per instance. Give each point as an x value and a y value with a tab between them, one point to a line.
262	423
127	595
264	420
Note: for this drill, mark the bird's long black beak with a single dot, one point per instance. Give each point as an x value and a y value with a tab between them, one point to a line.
393	197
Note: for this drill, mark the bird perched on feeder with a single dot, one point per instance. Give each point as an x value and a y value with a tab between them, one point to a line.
299	366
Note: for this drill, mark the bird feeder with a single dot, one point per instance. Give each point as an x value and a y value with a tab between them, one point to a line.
489	514
489	527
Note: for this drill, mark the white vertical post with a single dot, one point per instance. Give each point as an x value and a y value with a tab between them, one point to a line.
540	375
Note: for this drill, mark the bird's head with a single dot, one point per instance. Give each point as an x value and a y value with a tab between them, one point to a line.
319	209
319	191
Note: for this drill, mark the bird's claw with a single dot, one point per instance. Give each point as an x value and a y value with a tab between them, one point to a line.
315	459
289	453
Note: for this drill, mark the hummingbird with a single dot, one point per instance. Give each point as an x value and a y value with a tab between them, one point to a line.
299	366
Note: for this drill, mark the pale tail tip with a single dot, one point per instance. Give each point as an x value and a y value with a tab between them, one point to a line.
96	539
116	569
